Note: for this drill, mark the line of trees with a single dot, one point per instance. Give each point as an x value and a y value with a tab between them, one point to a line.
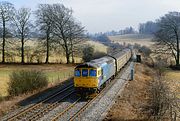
54	23
127	30
149	27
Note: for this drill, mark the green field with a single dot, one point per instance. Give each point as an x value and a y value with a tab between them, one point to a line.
55	73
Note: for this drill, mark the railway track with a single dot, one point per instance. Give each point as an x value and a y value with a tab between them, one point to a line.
40	109
73	110
76	109
85	106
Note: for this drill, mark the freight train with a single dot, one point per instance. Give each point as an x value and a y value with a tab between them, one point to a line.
90	77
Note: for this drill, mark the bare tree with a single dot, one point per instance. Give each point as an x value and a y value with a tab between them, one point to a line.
43	15
22	27
76	34
65	28
168	35
6	10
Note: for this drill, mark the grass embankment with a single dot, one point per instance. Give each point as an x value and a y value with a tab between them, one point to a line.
173	78
128	106
132	104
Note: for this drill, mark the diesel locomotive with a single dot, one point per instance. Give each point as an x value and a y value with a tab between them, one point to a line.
90	77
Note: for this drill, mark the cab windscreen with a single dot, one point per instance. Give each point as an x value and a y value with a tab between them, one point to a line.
92	72
84	72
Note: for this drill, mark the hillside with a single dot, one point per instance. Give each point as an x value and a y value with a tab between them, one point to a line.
133	38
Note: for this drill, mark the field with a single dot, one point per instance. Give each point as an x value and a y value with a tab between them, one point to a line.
55	73
132	39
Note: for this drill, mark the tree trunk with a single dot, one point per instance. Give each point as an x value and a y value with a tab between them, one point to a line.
72	53
3	49
72	56
67	54
67	58
177	61
22	50
66	48
177	39
47	49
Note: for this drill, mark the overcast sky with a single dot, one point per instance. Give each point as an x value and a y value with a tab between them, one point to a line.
107	15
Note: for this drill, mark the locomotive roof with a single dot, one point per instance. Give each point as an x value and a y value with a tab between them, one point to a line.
96	63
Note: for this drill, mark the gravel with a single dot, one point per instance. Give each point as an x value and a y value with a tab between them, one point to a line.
64	104
73	111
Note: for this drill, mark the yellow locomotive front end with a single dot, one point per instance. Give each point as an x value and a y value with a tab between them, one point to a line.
85	80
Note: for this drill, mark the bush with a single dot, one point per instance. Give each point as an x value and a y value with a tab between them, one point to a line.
26	81
145	50
160	100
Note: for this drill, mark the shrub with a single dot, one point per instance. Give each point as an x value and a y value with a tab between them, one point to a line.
1	98
145	50
26	81
159	101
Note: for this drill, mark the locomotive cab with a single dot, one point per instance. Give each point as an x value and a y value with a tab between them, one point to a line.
86	79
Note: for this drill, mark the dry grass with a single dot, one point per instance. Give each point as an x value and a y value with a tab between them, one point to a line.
128	106
132	39
173	80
